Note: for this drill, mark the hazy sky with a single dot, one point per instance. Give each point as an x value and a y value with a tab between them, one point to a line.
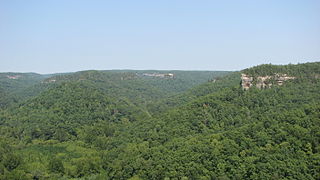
48	36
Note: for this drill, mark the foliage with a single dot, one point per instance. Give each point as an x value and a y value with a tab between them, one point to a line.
99	128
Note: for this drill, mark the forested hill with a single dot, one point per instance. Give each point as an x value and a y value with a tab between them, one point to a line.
214	85
83	128
17	87
168	82
12	86
57	112
62	103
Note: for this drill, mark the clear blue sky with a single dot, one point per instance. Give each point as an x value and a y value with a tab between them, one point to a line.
47	36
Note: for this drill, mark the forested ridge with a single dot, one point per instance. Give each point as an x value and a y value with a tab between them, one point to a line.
12	86
123	125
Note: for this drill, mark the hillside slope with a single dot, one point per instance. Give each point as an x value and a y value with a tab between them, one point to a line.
65	107
142	87
214	85
13	85
256	134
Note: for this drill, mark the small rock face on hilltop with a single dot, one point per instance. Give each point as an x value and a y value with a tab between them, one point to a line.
13	77
159	75
262	82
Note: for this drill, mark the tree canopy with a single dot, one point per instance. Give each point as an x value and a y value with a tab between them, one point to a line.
122	125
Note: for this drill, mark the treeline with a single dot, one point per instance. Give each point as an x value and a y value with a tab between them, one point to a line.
304	71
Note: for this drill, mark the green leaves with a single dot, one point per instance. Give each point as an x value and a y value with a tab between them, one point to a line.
99	125
56	166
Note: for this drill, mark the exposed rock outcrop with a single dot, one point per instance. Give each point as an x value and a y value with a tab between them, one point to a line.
167	75
246	81
262	82
49	81
13	77
280	78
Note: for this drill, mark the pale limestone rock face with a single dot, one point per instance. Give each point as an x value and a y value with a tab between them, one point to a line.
280	78
49	81
167	75
246	81
14	77
261	82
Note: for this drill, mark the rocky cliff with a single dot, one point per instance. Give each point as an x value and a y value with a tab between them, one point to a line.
262	82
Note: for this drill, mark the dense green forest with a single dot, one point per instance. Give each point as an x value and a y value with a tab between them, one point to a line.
13	85
154	125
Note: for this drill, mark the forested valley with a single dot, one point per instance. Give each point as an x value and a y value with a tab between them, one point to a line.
259	123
